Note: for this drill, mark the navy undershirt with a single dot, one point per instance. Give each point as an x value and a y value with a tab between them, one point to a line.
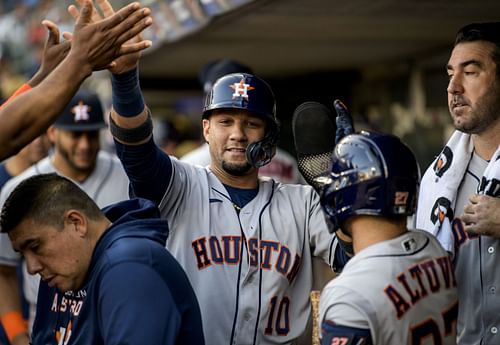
239	196
4	175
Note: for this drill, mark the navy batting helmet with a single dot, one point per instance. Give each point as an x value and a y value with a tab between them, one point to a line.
371	174
247	92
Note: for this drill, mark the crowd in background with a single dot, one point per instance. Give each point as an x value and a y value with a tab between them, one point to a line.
22	37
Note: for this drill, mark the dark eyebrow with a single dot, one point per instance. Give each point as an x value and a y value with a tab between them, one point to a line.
24	245
466	63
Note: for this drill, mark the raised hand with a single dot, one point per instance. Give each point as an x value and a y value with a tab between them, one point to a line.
54	52
343	121
123	63
99	43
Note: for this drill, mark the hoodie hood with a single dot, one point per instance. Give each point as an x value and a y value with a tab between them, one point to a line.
132	218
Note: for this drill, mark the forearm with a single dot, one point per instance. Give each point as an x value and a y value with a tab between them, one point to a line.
129	110
31	113
10	306
22	89
148	168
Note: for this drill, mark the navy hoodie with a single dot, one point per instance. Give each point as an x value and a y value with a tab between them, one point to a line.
135	291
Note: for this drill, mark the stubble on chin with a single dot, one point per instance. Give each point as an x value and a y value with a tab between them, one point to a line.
236	169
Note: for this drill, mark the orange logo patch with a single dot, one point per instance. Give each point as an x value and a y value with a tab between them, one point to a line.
241	89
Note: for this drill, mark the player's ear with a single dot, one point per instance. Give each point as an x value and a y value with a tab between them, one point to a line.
51	134
75	220
206	128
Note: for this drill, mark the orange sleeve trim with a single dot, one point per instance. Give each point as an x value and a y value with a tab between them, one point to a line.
14	324
22	89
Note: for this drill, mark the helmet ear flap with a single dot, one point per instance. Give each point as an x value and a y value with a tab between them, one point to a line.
261	152
372	174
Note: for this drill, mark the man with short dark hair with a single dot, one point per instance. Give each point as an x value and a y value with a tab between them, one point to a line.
77	155
106	276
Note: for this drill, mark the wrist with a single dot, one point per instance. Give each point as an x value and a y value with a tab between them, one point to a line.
80	68
14	324
36	79
127	95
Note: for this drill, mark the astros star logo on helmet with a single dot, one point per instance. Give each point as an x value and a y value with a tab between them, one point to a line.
241	89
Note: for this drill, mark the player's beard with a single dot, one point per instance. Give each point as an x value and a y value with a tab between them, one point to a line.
236	169
483	114
70	161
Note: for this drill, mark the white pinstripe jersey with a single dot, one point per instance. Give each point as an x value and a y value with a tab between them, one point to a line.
219	250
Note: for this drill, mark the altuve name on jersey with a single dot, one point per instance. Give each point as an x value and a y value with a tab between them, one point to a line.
227	250
418	281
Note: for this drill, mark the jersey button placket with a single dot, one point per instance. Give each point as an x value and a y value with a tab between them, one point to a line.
493	330
491	250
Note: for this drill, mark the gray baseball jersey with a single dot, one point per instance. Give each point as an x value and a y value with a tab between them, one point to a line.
402	290
476	264
107	184
251	270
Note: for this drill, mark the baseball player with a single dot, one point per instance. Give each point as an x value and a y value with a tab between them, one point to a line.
399	288
75	136
246	242
283	166
459	199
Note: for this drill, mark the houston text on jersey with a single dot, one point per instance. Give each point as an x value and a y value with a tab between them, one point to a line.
227	250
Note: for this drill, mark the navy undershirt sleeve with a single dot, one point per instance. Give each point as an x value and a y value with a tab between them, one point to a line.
337	334
148	168
341	258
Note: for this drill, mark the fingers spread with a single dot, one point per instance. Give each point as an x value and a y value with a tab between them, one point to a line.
134	47
73	11
129	29
106	8
123	14
85	13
